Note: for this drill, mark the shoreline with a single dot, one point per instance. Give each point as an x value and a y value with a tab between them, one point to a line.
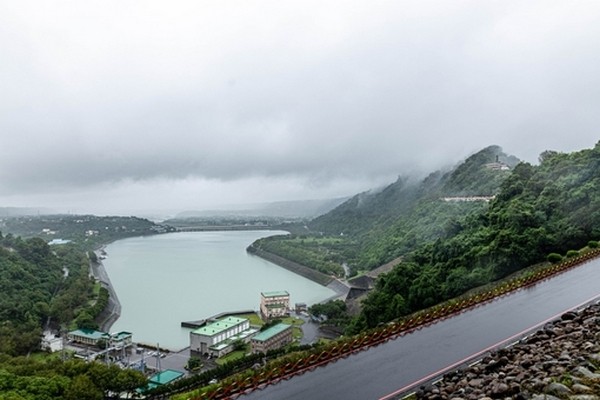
338	286
112	312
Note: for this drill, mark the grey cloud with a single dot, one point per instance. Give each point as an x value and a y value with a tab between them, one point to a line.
328	95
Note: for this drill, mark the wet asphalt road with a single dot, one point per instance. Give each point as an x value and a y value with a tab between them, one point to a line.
384	371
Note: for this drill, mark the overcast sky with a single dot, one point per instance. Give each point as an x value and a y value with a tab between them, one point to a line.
124	106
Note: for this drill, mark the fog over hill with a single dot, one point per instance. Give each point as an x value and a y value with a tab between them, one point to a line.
127	107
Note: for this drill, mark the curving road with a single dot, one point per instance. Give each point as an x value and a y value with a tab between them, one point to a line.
112	312
394	367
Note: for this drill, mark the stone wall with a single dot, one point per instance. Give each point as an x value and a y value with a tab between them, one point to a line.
559	361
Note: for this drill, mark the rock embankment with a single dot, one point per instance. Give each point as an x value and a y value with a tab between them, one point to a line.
112	312
302	270
561	360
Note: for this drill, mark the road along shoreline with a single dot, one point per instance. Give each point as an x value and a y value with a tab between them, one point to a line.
112	312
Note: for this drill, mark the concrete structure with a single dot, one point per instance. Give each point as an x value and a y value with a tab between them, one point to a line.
228	345
91	337
469	198
165	377
215	338
51	343
87	336
274	304
272	338
121	339
497	166
162	378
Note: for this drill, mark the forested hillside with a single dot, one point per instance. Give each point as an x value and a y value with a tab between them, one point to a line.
364	212
89	231
41	285
448	246
371	229
29	277
541	212
38	282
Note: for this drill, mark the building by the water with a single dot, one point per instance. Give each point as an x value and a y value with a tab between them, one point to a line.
218	338
272	338
274	304
91	337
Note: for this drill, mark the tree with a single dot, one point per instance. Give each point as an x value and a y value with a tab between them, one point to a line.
129	380
85	321
194	364
82	388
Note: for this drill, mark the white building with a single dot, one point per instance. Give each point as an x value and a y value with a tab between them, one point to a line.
274	304
212	337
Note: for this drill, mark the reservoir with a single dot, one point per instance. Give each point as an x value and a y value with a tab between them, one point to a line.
163	280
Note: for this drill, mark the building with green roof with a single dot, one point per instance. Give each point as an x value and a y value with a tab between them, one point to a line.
274	304
162	378
87	336
121	339
91	337
272	338
207	339
165	377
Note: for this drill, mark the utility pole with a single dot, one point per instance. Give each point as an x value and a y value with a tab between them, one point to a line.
158	366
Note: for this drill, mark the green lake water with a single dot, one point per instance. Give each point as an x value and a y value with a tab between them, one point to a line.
163	280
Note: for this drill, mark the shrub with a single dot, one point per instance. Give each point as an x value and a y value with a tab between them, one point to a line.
194	364
593	244
572	253
554	258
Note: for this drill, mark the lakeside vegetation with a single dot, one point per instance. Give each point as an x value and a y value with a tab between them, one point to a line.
541	214
49	287
450	247
87	232
324	254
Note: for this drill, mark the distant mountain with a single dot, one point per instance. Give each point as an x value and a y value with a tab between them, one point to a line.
373	228
282	209
24	211
481	174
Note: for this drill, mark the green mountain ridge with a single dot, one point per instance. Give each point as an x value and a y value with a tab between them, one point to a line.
533	213
469	178
373	228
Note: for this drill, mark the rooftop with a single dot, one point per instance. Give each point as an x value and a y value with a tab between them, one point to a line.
166	376
121	335
219	326
279	293
240	336
270	332
90	334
